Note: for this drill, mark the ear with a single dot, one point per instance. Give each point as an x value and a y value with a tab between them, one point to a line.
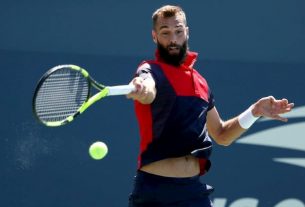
187	33
154	36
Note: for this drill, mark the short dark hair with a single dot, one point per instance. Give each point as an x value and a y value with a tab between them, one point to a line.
167	11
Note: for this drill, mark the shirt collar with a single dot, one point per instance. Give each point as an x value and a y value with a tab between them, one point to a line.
189	61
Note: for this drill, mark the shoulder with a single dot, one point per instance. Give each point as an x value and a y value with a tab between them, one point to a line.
200	77
144	66
148	66
147	69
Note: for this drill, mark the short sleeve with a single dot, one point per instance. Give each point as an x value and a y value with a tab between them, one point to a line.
144	71
211	101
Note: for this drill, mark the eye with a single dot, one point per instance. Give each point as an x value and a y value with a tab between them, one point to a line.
165	33
179	31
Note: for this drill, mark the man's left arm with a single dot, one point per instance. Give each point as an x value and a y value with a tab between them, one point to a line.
225	132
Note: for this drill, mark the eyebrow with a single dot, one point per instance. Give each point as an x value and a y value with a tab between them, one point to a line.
165	27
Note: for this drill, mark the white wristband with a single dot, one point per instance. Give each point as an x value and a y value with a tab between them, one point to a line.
246	119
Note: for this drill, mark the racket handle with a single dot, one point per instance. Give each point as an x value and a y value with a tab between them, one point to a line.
120	90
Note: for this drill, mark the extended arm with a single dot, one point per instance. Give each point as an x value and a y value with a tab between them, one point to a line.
225	132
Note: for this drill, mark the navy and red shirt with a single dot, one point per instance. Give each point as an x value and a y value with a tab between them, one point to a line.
174	124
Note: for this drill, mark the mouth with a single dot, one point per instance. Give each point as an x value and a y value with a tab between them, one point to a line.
173	49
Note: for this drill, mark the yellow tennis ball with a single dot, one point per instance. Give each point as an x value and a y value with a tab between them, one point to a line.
98	150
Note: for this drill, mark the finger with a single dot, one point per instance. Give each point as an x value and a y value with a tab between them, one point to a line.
271	99
277	117
272	102
283	111
284	101
131	95
287	108
291	105
137	80
143	92
281	104
139	87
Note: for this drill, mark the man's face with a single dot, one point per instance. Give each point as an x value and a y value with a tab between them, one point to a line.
171	37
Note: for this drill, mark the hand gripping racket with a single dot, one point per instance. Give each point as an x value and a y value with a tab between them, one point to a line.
64	92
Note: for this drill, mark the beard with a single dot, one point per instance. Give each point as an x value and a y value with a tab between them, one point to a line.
173	59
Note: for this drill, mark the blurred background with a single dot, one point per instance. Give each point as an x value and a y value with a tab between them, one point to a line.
247	49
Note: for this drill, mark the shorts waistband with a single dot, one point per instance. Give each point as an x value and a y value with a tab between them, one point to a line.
141	175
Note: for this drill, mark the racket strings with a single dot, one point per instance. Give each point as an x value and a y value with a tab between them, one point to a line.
61	95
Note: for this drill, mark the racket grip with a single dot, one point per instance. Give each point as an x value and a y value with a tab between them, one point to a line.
120	90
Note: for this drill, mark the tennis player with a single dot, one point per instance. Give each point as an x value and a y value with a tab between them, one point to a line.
177	116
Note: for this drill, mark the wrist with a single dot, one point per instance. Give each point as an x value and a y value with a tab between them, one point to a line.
255	110
247	118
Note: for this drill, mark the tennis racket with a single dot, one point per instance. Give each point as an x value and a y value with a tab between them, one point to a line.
65	91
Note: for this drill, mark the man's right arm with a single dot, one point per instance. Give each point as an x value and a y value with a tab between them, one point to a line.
145	90
145	85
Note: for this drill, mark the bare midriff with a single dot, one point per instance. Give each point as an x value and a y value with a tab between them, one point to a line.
186	166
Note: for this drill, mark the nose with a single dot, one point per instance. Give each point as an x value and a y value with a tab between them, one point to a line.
173	39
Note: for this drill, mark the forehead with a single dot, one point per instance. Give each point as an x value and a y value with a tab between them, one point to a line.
170	22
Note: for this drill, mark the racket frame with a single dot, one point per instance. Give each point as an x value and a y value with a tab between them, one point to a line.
103	91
